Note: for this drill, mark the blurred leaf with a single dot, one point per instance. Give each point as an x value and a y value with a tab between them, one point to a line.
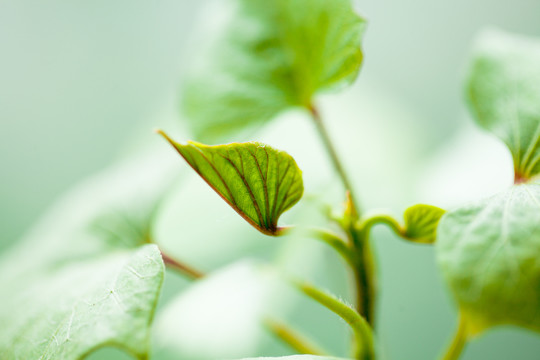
504	94
269	56
86	276
488	253
421	223
222	314
256	180
69	312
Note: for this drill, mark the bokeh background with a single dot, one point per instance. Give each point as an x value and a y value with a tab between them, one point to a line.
83	83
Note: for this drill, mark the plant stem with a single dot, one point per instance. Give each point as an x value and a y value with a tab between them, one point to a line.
364	348
364	275
292	338
335	242
458	342
386	219
330	149
362	268
181	267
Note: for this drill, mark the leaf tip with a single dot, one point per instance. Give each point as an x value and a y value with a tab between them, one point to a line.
164	134
174	144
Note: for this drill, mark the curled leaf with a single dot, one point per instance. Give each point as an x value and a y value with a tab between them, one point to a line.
256	180
421	223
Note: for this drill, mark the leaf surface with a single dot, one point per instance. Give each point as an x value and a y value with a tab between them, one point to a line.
267	56
86	277
256	180
489	255
504	95
421	223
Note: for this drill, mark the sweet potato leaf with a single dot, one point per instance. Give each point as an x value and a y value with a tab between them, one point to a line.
267	56
256	180
86	277
421	223
489	255
504	95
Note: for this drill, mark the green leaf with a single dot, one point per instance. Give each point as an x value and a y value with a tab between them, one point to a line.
489	255
268	56
421	223
70	312
256	180
86	277
504	95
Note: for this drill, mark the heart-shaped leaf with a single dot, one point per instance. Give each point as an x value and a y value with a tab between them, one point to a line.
256	180
74	310
504	94
489	255
267	56
421	223
86	277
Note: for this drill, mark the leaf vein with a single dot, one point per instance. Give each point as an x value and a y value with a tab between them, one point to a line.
253	199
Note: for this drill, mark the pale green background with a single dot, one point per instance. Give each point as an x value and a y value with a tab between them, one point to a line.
81	82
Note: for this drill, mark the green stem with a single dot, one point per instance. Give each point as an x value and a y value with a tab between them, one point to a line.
331	150
364	348
364	269
359	259
291	337
363	263
364	275
386	219
458	343
336	242
181	267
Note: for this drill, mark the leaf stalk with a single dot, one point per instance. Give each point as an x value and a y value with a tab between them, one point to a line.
364	348
367	223
335	242
331	150
362	263
181	267
293	338
457	345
